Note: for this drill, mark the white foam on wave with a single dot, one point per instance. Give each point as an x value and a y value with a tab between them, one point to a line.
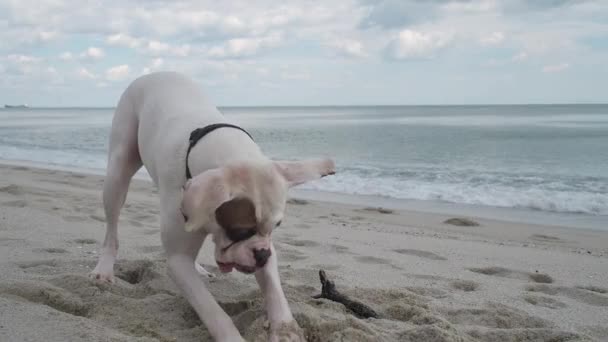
480	194
376	180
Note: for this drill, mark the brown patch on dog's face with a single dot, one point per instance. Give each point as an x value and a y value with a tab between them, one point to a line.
237	218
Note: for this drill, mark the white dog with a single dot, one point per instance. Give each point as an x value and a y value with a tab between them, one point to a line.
164	122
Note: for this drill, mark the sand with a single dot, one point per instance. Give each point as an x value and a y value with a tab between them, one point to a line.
427	279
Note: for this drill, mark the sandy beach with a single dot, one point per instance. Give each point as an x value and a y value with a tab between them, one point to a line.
428	280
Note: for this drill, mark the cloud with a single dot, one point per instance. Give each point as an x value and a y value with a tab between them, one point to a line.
295	76
414	44
493	38
158	48
66	56
157	63
220	42
92	53
554	68
515	6
395	14
85	74
23	59
244	47
154	65
122	39
18	64
348	48
520	57
479	6
46	36
148	46
118	73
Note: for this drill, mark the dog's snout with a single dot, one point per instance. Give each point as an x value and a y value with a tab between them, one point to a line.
261	256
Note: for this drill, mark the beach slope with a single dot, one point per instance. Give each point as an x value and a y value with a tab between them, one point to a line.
427	280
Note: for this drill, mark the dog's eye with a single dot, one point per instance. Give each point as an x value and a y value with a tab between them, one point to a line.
240	234
278	224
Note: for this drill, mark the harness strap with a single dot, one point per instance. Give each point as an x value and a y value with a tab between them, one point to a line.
199	133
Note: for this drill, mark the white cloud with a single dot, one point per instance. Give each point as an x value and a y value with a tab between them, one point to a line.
520	57
66	56
471	6
415	44
244	47
553	68
19	64
151	46
92	53
22	59
233	24
154	65
122	39
85	74
295	76
215	42
118	73
46	36
493	38
158	48
157	63
155	46
349	48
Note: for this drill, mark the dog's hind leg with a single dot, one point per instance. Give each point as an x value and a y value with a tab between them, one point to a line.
123	161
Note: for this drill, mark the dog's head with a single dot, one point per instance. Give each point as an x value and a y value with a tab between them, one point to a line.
240	205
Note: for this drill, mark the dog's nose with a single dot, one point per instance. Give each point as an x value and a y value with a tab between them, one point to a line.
261	256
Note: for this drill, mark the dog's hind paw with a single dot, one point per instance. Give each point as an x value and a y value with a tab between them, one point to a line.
202	271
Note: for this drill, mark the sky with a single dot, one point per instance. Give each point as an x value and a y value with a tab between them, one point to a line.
339	52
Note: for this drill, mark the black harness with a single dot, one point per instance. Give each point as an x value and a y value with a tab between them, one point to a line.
199	133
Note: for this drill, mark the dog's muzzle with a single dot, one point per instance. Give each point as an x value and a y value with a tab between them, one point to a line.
261	256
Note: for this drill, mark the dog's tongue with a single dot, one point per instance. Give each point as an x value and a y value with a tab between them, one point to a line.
225	268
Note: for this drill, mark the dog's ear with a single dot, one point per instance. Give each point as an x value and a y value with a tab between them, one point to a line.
202	195
298	172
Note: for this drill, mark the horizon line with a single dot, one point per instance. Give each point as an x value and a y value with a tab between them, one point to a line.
345	105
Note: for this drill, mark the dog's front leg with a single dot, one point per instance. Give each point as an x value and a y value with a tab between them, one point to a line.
181	248
219	324
282	325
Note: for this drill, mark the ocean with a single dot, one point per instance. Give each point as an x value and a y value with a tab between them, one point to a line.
550	158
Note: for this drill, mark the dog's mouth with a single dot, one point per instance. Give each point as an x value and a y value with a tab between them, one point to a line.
226	267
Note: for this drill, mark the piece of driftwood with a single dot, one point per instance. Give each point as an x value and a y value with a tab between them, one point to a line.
328	291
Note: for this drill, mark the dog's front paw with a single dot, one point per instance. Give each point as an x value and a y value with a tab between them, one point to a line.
107	277
285	332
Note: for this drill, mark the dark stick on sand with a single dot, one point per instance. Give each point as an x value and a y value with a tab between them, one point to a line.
328	291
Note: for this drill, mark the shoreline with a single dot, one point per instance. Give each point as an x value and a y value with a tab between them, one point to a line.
528	216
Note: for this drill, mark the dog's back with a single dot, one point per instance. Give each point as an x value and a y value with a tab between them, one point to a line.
162	109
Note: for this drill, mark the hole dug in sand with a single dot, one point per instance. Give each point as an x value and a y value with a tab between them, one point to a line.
461	221
513	274
465	285
135	272
297	201
379	210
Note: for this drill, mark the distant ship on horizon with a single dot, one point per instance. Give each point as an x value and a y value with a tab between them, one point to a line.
15	106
